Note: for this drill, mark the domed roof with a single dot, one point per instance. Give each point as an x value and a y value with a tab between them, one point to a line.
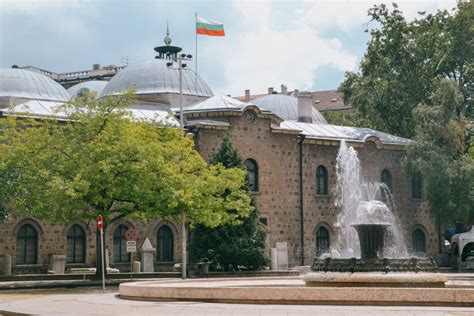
90	86
286	107
154	76
25	84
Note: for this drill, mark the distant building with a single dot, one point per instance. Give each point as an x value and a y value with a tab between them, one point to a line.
329	100
68	79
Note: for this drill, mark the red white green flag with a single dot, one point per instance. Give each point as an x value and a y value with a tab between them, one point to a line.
208	27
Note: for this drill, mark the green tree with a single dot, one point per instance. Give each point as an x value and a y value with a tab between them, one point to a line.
240	244
405	61
347	118
98	159
438	153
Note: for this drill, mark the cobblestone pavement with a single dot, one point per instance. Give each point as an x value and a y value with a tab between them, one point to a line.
94	302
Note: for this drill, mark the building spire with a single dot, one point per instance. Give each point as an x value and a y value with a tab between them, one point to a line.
167	52
167	38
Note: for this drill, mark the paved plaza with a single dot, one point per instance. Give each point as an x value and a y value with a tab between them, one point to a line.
92	301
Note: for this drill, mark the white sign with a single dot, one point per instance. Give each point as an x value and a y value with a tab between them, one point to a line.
131	246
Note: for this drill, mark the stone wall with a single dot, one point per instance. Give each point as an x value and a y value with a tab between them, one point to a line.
277	156
52	240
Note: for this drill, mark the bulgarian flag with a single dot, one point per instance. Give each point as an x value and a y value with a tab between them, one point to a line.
208	27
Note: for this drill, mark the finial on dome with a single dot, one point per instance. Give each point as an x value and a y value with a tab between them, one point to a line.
167	52
167	38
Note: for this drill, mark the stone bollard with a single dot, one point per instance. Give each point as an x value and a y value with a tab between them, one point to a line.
148	262
273	254
7	265
136	267
57	264
282	255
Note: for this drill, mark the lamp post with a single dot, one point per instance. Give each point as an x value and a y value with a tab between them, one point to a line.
180	58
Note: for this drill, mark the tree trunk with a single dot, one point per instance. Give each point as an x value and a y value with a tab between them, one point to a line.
183	244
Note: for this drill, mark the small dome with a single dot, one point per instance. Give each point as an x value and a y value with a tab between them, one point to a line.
286	107
153	77
25	84
90	86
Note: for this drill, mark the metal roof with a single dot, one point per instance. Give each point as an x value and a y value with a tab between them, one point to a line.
154	76
91	86
286	107
39	108
217	102
328	131
25	84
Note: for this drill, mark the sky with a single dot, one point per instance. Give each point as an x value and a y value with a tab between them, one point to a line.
306	45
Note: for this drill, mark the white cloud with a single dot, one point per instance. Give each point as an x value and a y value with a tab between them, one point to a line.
349	14
54	18
264	55
37	6
281	42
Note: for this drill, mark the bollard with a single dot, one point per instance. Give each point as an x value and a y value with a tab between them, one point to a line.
136	266
7	265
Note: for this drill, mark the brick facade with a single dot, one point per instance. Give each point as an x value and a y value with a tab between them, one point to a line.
278	197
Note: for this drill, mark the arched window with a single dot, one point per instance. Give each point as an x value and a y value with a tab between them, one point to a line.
26	245
76	244
416	183
322	241
321	181
164	244
419	241
252	174
120	245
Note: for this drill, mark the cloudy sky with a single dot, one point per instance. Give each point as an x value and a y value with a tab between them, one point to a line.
303	44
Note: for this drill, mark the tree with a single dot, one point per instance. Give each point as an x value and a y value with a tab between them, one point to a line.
347	118
405	61
438	153
98	159
240	244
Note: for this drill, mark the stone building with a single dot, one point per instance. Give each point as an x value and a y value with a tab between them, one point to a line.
289	151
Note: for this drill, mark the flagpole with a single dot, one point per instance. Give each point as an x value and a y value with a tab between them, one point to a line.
196	55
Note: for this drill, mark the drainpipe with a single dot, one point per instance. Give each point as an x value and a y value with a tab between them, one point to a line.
301	139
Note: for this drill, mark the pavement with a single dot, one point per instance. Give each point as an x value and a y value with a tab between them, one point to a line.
91	300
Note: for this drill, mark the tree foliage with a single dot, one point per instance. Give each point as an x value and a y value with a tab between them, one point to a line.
405	61
347	118
438	152
241	245
98	159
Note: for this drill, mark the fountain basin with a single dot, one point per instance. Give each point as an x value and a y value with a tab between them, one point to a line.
375	279
290	290
374	265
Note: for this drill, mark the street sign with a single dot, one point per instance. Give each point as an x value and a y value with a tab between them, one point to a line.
131	234
131	246
99	223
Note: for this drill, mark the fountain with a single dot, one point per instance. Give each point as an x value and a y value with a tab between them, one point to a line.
370	238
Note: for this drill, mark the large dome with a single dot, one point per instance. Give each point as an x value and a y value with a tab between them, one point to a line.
286	107
90	86
24	84
154	77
